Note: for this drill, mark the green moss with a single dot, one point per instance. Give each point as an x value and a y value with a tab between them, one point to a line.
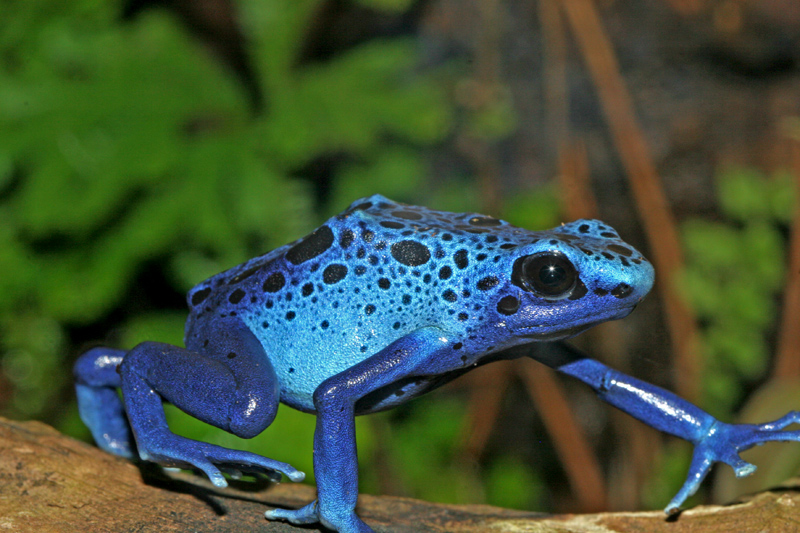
734	272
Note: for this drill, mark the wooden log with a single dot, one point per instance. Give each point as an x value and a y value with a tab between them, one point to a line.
53	483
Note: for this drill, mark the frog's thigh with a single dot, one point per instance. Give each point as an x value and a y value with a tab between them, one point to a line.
227	382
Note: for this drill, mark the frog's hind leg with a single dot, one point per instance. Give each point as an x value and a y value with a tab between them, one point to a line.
99	404
224	379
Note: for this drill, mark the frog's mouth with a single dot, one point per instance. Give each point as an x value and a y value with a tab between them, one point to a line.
560	334
548	333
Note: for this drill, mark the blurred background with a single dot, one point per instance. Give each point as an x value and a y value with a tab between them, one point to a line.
148	144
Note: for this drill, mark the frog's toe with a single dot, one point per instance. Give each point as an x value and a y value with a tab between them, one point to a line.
251	463
233	473
744	436
792	417
212	460
305	515
347	522
237	472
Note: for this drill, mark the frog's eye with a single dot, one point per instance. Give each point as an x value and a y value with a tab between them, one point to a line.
547	274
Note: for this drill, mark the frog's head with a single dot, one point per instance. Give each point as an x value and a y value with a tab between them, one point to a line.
568	279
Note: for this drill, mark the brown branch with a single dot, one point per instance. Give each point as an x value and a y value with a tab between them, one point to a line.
609	343
787	358
645	184
574	182
577	457
487	387
554	73
49	482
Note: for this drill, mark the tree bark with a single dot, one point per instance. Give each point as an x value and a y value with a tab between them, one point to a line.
49	482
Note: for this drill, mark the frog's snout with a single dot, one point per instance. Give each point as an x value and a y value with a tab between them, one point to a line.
623	290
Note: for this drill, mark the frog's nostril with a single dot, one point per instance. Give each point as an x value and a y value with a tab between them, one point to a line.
623	290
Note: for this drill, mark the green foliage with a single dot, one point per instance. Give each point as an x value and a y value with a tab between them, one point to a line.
420	441
537	209
388	5
126	143
745	195
734	272
495	119
401	171
511	483
420	451
289	438
668	475
33	360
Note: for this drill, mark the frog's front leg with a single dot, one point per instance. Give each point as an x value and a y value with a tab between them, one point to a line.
227	381
335	458
713	440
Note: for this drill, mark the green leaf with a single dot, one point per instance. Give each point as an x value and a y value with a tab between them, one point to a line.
496	119
396	173
783	196
127	148
288	439
162	327
701	291
512	484
742	194
716	245
742	349
762	256
537	208
391	6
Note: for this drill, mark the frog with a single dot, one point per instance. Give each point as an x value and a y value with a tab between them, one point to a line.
382	303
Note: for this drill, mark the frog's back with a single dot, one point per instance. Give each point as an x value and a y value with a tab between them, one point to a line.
364	279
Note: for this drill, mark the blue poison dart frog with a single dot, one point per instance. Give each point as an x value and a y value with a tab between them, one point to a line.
380	304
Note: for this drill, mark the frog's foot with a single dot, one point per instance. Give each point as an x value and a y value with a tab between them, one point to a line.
310	514
723	442
99	405
102	411
170	450
305	515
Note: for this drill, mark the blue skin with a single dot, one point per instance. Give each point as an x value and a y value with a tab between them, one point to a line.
382	303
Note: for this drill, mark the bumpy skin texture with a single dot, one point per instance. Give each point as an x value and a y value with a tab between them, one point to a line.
381	304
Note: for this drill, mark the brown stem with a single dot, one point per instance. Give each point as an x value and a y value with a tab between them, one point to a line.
577	457
645	184
787	358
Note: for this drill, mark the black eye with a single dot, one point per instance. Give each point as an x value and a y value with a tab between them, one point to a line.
547	274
